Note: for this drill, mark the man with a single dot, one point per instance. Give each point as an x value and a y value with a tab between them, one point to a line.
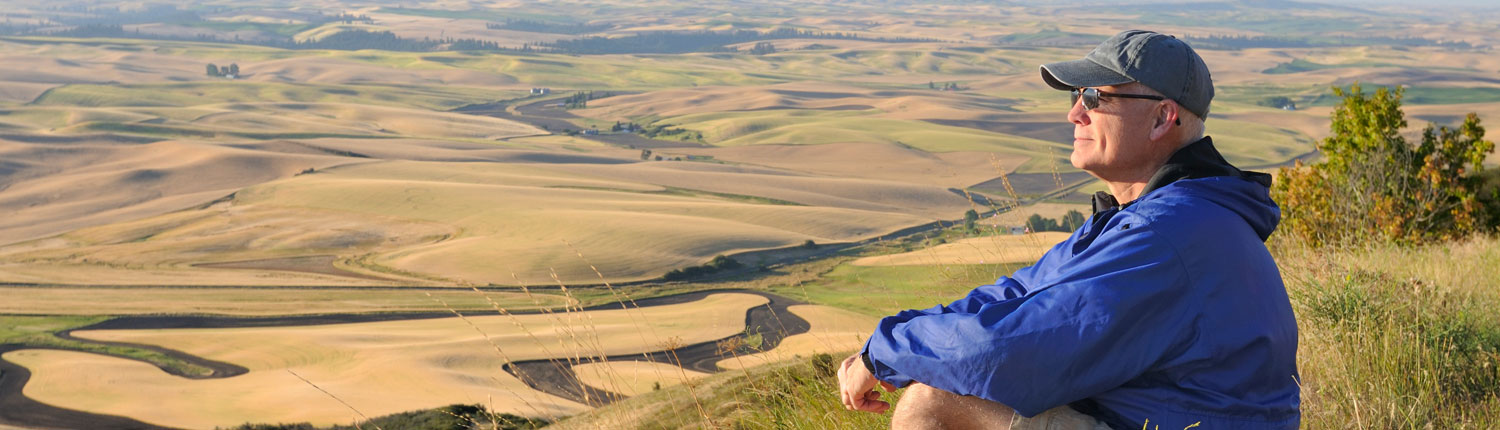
1164	311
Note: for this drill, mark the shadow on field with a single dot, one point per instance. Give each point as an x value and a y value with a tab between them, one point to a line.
772	322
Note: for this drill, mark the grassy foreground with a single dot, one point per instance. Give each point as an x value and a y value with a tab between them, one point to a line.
1391	338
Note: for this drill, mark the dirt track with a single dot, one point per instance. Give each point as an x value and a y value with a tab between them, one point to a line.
772	321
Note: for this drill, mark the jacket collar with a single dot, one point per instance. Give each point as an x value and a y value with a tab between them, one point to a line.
1196	160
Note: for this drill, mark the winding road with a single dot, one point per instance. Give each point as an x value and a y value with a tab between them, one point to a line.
771	321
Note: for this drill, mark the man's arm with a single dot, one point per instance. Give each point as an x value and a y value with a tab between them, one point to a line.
1102	318
857	383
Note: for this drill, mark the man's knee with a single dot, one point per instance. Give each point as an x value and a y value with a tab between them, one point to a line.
925	407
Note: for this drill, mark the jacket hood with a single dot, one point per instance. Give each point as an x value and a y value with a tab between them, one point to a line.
1246	193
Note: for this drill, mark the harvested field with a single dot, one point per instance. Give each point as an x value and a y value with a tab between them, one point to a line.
879	161
323	264
379	367
127	180
633	377
265	302
1021	248
423	222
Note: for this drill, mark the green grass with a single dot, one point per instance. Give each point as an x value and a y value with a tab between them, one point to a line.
26	329
801	393
885	290
1385	346
37	331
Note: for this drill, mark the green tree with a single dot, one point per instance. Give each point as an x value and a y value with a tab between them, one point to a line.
213	70
1375	186
970	218
1073	220
234	69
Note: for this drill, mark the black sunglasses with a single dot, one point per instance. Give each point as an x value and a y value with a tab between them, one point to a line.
1091	97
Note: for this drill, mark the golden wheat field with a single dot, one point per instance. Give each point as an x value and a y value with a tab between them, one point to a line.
379	367
241	163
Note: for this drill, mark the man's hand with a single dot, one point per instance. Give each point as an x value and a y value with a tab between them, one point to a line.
857	387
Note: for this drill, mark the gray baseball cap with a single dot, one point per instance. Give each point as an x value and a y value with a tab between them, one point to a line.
1156	60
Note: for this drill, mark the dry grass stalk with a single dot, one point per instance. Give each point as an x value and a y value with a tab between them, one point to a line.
341	401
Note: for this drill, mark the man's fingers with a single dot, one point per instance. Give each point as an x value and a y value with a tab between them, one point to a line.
887	386
871	404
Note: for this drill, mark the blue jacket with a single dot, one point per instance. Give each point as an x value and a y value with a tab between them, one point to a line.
1169	309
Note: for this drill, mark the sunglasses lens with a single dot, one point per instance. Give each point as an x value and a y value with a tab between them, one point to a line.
1090	98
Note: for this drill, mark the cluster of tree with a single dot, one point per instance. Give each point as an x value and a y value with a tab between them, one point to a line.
451	417
233	70
1069	222
681	42
657	130
348	18
364	39
1280	102
951	86
473	45
355	39
1375	186
578	100
628	127
546	27
1246	42
646	155
718	264
763	48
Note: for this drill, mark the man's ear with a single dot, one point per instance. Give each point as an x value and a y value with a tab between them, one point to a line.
1166	118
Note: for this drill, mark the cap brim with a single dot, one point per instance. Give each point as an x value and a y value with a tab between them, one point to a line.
1067	75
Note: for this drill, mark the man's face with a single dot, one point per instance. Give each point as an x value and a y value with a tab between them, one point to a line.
1114	137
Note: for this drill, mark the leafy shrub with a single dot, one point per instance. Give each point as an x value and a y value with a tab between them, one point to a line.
1375	186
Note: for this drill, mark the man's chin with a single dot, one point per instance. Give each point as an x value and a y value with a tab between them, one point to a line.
1078	160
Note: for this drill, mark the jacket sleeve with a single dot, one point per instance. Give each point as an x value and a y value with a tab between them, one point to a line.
1103	317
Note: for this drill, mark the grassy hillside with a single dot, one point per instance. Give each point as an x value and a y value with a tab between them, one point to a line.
1396	338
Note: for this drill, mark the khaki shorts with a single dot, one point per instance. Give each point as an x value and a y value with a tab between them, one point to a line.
1058	418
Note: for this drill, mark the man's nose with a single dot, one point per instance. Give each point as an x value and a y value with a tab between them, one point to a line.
1078	115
